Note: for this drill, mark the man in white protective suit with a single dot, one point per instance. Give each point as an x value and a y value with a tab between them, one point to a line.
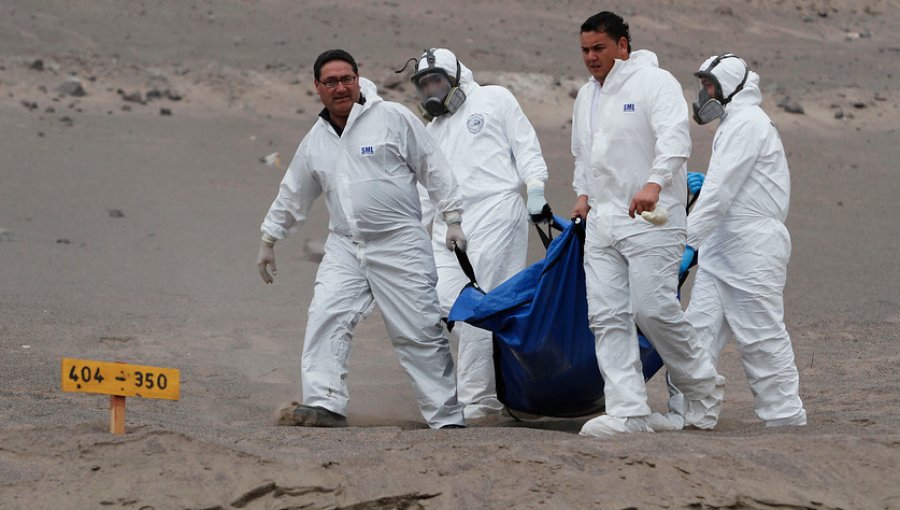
630	141
738	227
494	153
366	155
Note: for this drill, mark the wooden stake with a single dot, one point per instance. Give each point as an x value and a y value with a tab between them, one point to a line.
117	415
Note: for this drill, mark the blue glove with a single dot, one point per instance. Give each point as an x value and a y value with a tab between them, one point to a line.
687	260
695	182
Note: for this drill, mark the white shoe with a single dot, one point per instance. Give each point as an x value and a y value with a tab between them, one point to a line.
606	425
487	408
798	420
704	413
665	422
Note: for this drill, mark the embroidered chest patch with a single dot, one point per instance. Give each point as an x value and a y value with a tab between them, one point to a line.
628	107
367	150
475	123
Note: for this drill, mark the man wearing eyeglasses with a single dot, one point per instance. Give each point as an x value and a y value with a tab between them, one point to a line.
366	155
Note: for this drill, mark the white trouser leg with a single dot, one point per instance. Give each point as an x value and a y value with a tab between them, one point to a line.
653	259
756	315
706	314
402	276
612	322
497	251
340	298
475	372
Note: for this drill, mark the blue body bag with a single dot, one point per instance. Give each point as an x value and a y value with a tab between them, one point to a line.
544	357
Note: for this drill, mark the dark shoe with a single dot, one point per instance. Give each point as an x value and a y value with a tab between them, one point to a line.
453	426
313	416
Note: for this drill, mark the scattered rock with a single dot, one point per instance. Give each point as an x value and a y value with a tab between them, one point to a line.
839	114
49	109
724	10
37	65
31	105
67	121
859	105
573	93
115	213
822	13
71	87
165	111
6	235
865	34
879	97
792	106
172	95
126	108
133	97
808	19
63	241
273	159
153	94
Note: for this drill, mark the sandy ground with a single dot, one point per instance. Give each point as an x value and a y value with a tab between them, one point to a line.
130	235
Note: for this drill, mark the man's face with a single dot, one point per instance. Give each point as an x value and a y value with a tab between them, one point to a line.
600	52
337	95
709	86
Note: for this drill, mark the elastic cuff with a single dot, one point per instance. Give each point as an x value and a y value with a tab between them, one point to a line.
269	240
452	218
657	179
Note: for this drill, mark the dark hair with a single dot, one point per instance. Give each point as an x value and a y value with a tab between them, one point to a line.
609	22
330	55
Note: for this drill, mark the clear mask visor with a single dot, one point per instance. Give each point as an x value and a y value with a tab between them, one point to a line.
433	85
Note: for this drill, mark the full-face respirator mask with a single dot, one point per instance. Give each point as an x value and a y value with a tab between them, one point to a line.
439	92
707	108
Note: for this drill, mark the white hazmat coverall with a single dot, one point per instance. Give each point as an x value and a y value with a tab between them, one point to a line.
377	250
494	153
631	131
738	227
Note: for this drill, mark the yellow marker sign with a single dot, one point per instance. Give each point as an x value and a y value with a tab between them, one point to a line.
120	379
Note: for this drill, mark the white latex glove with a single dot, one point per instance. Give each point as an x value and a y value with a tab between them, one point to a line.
657	216
266	258
536	201
455	236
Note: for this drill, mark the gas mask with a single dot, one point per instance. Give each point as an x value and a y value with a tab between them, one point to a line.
439	92
438	95
706	108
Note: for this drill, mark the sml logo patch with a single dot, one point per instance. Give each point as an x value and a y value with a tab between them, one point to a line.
628	107
367	150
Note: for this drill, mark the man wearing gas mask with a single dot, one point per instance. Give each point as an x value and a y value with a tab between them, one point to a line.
738	227
630	140
366	156
494	153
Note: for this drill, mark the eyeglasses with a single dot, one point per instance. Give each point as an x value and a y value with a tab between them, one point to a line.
346	81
